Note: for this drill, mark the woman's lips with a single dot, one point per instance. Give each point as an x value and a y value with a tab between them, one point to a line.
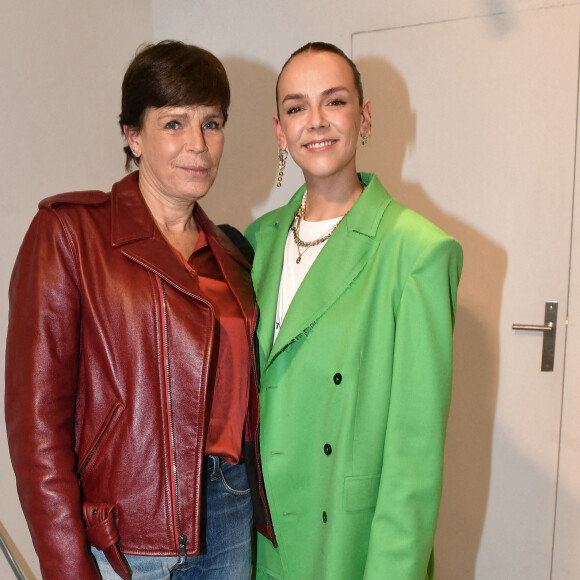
320	144
194	170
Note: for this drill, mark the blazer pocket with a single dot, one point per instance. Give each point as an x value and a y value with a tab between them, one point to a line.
361	492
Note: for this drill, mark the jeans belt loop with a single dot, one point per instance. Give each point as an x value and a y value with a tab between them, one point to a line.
214	467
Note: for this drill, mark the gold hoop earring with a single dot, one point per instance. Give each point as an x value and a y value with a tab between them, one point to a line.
282	155
365	138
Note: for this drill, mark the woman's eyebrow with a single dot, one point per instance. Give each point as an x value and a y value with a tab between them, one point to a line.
293	97
333	90
325	93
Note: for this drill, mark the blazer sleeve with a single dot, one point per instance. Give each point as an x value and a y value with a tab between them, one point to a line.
403	527
42	355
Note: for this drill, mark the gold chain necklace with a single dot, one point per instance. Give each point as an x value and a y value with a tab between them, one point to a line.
299	216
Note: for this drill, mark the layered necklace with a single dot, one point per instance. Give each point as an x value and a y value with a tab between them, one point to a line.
301	245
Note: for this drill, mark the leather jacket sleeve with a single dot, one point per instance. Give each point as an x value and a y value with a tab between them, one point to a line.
42	367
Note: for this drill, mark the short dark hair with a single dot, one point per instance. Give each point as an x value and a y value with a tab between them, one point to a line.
325	47
171	73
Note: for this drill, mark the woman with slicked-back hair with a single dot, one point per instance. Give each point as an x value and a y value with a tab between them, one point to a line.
357	298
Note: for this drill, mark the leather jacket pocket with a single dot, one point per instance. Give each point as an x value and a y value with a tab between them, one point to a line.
103	432
100	523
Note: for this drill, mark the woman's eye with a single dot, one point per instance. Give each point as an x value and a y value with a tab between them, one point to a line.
172	125
293	110
211	125
336	103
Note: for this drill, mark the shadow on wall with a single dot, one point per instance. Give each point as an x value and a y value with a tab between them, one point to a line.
476	371
248	168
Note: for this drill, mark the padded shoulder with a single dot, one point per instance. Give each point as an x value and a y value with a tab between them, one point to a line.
75	198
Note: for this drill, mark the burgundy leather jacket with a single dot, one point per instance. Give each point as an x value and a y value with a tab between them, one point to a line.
107	361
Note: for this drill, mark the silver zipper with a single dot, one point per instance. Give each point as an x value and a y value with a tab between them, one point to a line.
182	538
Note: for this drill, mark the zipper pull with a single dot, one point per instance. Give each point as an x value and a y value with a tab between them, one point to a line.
182	541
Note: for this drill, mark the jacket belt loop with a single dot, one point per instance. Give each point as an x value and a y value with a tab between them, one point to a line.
102	533
114	558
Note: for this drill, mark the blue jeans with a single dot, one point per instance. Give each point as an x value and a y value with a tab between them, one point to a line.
228	535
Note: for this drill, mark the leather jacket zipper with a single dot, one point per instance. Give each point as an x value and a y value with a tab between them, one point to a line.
182	538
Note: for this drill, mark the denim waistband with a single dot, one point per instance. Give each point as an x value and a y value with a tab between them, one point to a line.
212	464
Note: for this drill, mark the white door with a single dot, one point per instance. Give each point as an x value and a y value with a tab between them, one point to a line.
474	125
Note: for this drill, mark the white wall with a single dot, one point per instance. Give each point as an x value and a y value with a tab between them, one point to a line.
62	64
253	38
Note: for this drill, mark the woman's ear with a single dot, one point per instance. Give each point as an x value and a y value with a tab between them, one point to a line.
132	136
365	126
279	133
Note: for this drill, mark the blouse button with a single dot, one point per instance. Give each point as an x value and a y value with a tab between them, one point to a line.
324	517
327	449
337	379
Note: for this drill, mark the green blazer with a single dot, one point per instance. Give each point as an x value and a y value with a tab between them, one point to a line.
355	393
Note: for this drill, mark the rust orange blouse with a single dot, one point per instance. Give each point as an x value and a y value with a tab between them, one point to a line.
230	359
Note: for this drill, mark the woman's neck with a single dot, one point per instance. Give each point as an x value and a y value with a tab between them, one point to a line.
331	198
175	222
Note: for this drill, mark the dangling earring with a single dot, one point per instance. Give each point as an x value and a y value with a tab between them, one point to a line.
366	136
282	155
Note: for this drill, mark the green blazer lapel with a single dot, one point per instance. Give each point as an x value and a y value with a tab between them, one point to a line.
340	262
267	270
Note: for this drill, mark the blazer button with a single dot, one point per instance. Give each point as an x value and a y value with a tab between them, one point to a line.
337	379
327	449
324	517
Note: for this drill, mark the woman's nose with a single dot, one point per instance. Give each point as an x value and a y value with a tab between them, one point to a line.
195	141
317	118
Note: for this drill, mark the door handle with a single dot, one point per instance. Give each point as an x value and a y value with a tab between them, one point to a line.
540	327
549	330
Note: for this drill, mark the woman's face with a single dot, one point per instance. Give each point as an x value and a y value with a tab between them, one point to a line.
179	150
320	118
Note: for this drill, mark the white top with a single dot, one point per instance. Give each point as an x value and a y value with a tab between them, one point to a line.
293	273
